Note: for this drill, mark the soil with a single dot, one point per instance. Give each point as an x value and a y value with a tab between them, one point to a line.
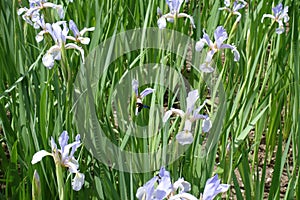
284	179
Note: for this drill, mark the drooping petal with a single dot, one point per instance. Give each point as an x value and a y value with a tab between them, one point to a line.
279	30
84	40
161	23
267	16
146	92
170	19
48	60
183	185
74	46
40	36
184	137
206	68
38	156
236	54
86	30
78	181
167	116
179	112
21	11
233	49
197	116
239	16
200	44
206	125
71	163
180	15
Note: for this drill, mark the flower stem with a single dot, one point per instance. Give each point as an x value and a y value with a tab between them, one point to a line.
60	182
67	73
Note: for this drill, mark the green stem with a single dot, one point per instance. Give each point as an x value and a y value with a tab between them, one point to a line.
179	129
68	82
228	18
60	182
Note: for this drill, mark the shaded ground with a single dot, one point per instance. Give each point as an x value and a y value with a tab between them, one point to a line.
284	179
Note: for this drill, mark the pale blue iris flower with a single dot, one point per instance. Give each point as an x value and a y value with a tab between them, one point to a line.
213	188
190	115
280	16
237	5
78	35
160	187
174	6
220	36
139	97
31	15
64	156
59	36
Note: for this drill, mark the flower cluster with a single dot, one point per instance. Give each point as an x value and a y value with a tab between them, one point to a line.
220	36
58	30
160	187
237	5
32	14
64	157
189	116
174	6
280	16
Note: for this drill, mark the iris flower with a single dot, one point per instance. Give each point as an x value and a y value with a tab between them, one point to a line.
161	187
236	6
31	14
220	36
174	6
190	115
78	35
139	97
59	36
213	188
64	156
280	16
